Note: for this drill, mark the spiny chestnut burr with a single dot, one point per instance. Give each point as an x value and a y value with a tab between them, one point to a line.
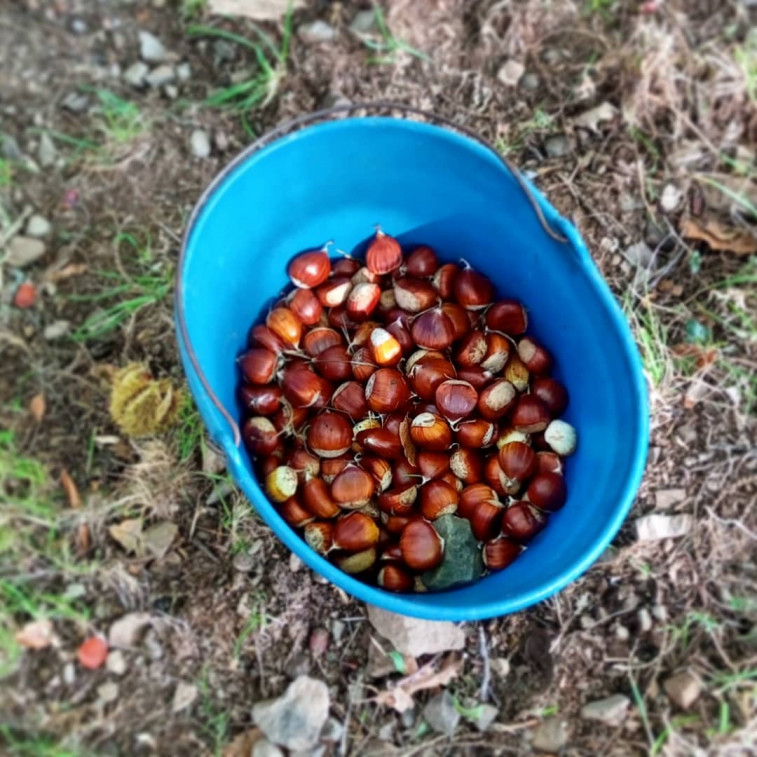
260	400
355	532
258	365
319	536
281	483
309	269
353	488
438	498
381	442
487	519
316	496
522	521
286	325
421	262
394	578
379	469
306	306
421	546
455	399
552	393
547	491
414	295
260	436
319	339
399	501
507	316
471	496
496	399
475	434
329	435
534	356
431	432
467	465
500	552
385	348
530	414
294	513
472	289
561	436
384	254
386	390
444	280
432	464
357	562
433	330
517	460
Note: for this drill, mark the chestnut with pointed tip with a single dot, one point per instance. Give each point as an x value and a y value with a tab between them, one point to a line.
316	496
386	390
349	398
286	325
433	330
517	460
363	300
431	432
421	546
381	442
500	552
261	399
507	316
292	511
496	399
399	501
319	339
355	532
260	436
329	435
385	348
467	465
455	399
305	389
472	495
334	292
444	280
522	521
319	536
306	306
487	519
309	269
552	393
384	254
472	289
433	464
547	491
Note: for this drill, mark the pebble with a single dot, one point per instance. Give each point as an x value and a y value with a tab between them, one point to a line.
75	102
108	692
200	143
295	563
550	736
654	527
161	76
557	146
645	620
23	251
529	82
38	226
221	141
500	667
136	73
364	22
184	71
671	198
264	748
78	26
319	642
316	32
10	148
683	689
69	673
337	630
611	710
46	152
153	646
660	612
295	719
150	47
664	499
511	72
622	632
172	91
413	636
440	713
223	51
332	730
184	696
116	662
125	631
639	255
486	714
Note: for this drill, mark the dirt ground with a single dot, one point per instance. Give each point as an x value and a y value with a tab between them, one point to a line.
637	120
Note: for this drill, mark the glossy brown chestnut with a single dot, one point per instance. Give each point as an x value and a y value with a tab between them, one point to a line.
306	306
363	300
547	491
309	269
472	350
552	393
262	336
329	435
477	377
381	442
414	295
363	366
349	398
421	262
459	318
398	501
472	289
496	399
455	399
305	389
306	465
471	496
507	316
467	465
292	511
353	488
522	521
494	474
433	330
260	436
386	390
404	474
517	460
379	469
333	466
394	578
476	434
384	254
500	552
319	535
431	432
432	464
258	365
548	462
345	267
355	532
534	356
530	414
286	325
438	498
427	374
487	520
395	524
320	338
421	546
444	280
261	399
334	292
402	335
497	352
317	499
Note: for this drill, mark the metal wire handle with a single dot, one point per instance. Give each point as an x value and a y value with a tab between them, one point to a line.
281	130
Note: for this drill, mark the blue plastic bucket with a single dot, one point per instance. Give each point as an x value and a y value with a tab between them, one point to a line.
423	184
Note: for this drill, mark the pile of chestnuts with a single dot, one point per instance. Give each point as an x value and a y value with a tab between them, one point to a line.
398	415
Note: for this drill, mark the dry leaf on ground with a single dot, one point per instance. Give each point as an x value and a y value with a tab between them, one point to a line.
719	236
260	10
400	697
69	487
243	743
38	634
128	533
157	539
38	406
705	356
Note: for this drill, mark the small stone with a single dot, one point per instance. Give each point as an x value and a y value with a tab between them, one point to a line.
296	718
184	71
337	630
316	32
221	141
153	646
223	51
78	26
298	665
440	713
660	612
591	118
23	251
413	636
364	22
653	527
622	632
116	662
295	563
69	673
125	631
550	736
318	642
172	91
486	714
75	102
220	492
586	621
161	76
500	667
136	74
557	146
511	72
462	561
38	226
264	748
184	696
150	47
530	82
200	143
611	710
10	148
56	330
243	562
108	692
46	152
334	100
645	620
683	689
639	255
664	499
670	198
332	730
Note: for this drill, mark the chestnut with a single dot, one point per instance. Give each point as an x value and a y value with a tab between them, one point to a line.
534	356
353	487
414	295
438	498
394	578
500	552
261	399
471	496
260	436
379	469
381	442
384	254
363	366
316	496
281	483
467	465
421	262
431	432
455	399
530	414
552	393
320	338
444	280
385	348
522	521
306	306
496	399
286	325
421	546
386	390
433	330
363	300
547	491
357	562
398	501
309	269
476	434
487	519
258	365
508	316
517	460
355	532
432	464
319	536
294	513
472	289
329	435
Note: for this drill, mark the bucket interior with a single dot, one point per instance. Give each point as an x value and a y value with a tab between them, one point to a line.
423	184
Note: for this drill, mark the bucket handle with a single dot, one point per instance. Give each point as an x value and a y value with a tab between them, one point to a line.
280	131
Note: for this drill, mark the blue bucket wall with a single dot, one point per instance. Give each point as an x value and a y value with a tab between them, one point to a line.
426	184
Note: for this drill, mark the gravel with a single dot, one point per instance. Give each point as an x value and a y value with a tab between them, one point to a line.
511	72
136	74
364	22
440	713
161	75
46	152
150	47
38	226
317	32
23	251
550	736
56	330
200	143
653	527
557	146
683	689
611	710
413	636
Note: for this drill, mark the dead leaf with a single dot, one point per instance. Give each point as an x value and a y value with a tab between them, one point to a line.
38	634
125	631
184	696
260	10
243	743
158	538
128	534
83	539
67	272
72	493
705	356
696	392
719	236
591	118
38	406
400	697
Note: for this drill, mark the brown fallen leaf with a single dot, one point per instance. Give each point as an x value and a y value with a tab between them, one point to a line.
38	634
260	10
128	533
38	406
69	487
243	743
67	272
719	236
400	698
705	356
157	539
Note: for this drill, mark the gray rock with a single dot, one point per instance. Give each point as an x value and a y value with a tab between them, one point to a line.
511	72
332	730
56	330
639	255
440	713
38	226
200	143
462	562
46	152
78	26
296	718
23	251
69	673
136	74
486	714
160	76
550	736
529	82
10	148
116	662
645	620
671	198
295	563
150	47
364	22
223	51
413	636
264	748
172	91
221	141
316	32
664	499
184	696
75	102
108	692
683	689
334	100
338	628
125	631
611	710
557	146
184	71
653	527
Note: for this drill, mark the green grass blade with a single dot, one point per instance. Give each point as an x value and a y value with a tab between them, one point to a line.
212	31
